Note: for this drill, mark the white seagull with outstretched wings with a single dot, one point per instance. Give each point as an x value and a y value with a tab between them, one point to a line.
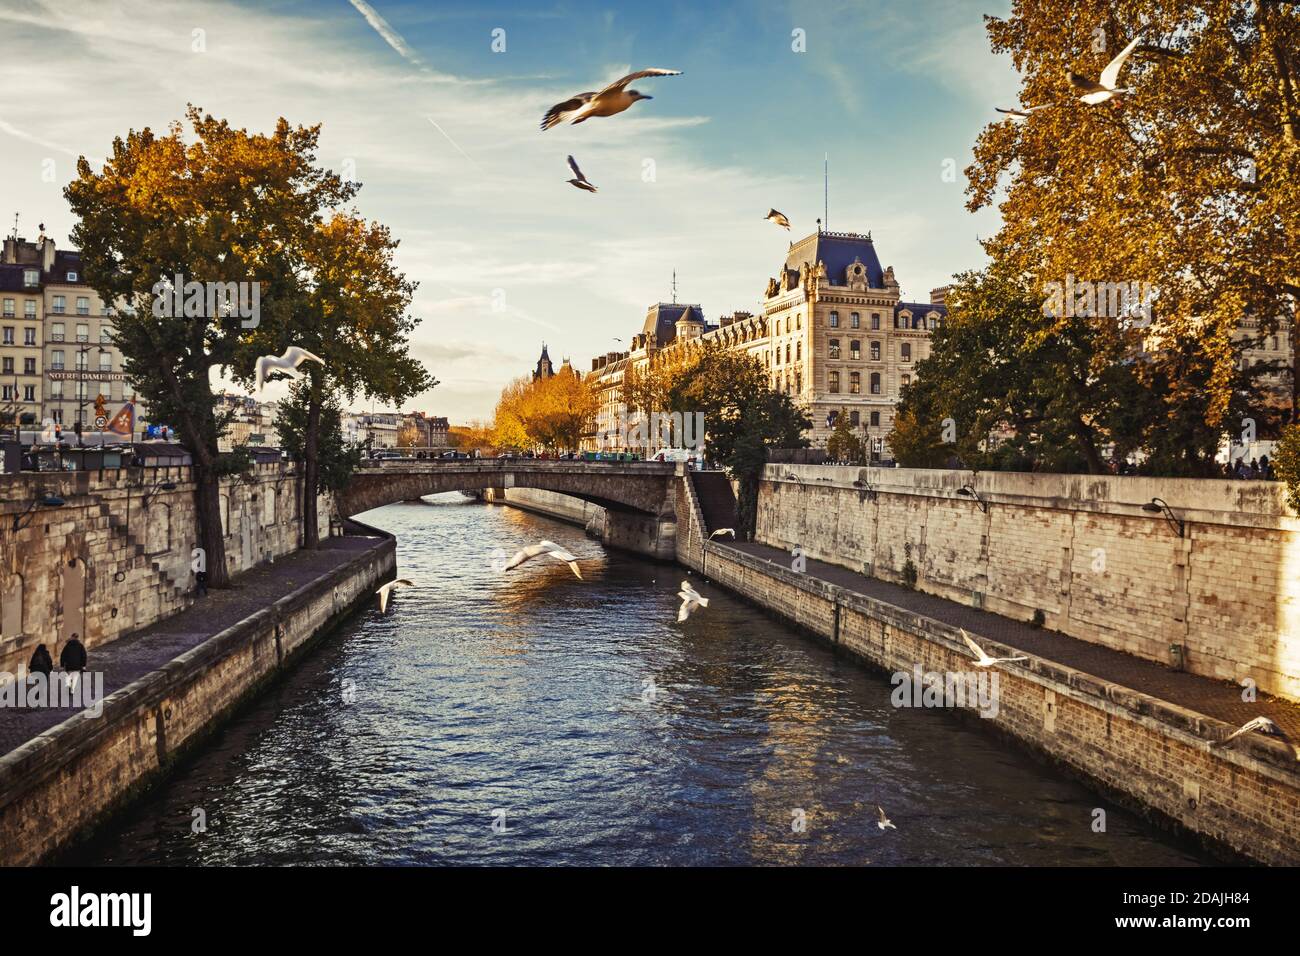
579	180
610	101
386	590
543	547
691	599
982	659
1104	88
288	362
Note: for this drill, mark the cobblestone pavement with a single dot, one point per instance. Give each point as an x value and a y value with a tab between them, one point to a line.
131	657
1205	695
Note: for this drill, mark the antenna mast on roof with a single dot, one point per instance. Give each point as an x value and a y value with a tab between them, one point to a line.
15	232
826	189
674	287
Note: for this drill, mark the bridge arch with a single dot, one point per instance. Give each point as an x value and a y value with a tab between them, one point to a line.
644	487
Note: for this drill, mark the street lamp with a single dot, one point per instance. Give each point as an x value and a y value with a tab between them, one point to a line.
1158	506
160	486
966	491
41	501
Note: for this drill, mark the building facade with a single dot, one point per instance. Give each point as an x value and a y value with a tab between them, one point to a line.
832	332
56	339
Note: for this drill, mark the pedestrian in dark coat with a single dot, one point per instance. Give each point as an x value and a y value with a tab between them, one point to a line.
73	657
41	662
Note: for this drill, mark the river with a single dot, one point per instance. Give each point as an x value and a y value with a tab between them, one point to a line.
532	718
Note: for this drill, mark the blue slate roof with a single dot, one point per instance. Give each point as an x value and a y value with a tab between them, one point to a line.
838	250
661	320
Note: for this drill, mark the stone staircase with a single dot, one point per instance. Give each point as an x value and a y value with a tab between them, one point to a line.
137	554
717	502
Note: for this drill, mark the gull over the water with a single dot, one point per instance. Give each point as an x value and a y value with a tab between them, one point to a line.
729	532
884	822
610	101
778	218
544	547
386	591
1258	725
982	659
579	180
1104	88
288	362
691	599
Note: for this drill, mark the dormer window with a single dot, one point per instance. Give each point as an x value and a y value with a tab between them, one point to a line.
72	277
30	277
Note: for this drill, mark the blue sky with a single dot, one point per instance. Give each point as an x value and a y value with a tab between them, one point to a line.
506	253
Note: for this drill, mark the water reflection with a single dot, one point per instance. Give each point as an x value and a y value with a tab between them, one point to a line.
606	732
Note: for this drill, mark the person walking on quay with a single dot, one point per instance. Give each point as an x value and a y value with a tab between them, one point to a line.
41	662
73	661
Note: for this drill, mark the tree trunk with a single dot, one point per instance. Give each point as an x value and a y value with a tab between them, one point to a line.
207	499
311	470
747	507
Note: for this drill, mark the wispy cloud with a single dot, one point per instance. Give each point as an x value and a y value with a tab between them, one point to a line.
391	36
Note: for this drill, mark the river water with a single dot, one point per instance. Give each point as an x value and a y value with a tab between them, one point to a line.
532	718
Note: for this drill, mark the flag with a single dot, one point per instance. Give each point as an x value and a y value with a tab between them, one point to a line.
123	422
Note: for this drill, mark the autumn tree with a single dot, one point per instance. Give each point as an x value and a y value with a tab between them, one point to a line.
227	206
347	305
743	417
553	412
1190	184
844	445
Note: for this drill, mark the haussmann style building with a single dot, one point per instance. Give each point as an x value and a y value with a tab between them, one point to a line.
832	331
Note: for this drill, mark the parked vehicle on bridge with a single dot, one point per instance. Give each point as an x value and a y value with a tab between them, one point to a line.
688	455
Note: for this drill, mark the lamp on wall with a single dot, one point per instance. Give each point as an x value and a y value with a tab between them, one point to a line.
160	486
1159	506
966	491
41	501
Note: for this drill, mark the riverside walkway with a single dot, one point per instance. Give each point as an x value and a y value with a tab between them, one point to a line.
1204	695
131	657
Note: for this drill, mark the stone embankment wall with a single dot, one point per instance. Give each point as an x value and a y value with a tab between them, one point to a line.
1142	752
64	781
118	554
1222	600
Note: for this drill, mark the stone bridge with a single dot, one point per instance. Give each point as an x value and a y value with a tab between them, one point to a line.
639	498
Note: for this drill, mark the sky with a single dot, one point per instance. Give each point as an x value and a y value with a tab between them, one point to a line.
441	130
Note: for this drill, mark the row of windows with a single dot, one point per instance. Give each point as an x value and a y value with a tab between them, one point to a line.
29	308
855	321
855	350
81	392
7	365
855	382
58	333
855	419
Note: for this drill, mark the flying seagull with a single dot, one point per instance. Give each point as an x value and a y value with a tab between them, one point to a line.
1101	90
1264	726
613	99
293	357
691	599
544	547
1024	113
581	181
884	822
982	659
730	532
386	591
778	218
